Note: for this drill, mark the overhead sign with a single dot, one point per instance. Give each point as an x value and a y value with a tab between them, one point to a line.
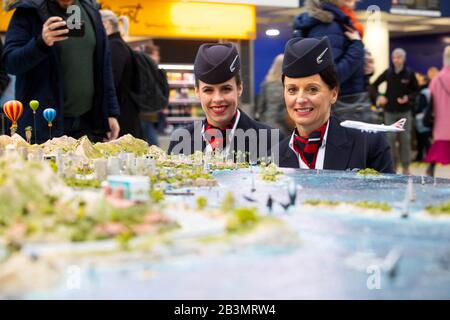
4	19
175	19
180	19
429	8
271	3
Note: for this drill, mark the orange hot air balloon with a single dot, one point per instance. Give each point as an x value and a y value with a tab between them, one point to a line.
13	110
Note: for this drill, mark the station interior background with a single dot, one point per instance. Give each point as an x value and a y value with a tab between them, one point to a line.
178	27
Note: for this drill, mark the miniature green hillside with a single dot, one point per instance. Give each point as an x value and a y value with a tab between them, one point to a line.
35	205
440	209
126	143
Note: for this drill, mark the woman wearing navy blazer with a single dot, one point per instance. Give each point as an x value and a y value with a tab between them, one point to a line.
318	141
218	86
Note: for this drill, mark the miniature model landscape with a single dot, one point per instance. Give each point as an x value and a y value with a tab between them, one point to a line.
123	219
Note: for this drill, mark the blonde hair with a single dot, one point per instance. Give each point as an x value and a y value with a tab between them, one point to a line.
275	71
432	72
119	24
447	56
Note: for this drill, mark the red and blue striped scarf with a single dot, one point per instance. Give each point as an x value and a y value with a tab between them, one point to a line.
308	148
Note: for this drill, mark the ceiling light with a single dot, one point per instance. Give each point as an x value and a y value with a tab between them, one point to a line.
272	32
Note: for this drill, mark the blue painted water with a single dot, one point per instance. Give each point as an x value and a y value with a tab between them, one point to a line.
332	255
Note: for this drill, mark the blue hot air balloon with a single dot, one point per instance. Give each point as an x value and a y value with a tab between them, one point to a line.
49	115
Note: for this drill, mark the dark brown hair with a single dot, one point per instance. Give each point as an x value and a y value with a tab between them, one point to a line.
150	49
328	75
237	77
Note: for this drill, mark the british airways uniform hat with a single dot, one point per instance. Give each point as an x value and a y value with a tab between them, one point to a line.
216	62
304	57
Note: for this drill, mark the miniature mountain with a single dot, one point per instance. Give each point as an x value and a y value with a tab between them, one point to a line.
126	143
85	148
63	143
15	140
157	152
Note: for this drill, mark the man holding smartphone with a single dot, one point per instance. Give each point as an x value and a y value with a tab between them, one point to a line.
63	65
4	78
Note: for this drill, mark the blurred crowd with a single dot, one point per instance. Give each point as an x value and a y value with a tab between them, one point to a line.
424	100
122	90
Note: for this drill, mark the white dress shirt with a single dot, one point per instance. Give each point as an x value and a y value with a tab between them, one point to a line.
209	148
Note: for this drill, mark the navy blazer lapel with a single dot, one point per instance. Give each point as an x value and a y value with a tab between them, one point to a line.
244	122
338	148
288	158
197	141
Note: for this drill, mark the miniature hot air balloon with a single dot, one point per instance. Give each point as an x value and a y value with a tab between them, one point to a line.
49	115
34	105
13	110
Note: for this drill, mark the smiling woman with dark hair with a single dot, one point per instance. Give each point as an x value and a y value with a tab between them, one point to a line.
218	85
319	142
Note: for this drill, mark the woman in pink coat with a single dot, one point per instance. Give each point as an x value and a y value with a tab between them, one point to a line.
440	93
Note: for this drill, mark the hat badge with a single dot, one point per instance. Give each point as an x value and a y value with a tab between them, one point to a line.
233	66
320	57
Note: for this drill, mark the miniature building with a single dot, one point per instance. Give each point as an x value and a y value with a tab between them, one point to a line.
135	188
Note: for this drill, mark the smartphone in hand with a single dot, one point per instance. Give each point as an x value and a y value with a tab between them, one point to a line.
74	32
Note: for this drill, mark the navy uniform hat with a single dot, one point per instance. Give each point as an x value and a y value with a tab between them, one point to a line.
304	57
216	62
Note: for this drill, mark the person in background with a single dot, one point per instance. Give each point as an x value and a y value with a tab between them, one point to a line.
423	133
398	102
71	74
432	72
5	91
337	20
270	108
319	141
123	71
154	122
440	95
369	70
4	78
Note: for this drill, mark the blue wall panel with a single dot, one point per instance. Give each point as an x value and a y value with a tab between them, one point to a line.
423	52
265	50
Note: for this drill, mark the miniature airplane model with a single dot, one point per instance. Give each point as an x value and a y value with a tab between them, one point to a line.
369	127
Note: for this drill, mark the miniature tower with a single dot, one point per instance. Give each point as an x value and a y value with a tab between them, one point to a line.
292	190
269	203
253	183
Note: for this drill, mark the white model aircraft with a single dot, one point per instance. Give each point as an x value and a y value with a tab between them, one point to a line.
370	127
